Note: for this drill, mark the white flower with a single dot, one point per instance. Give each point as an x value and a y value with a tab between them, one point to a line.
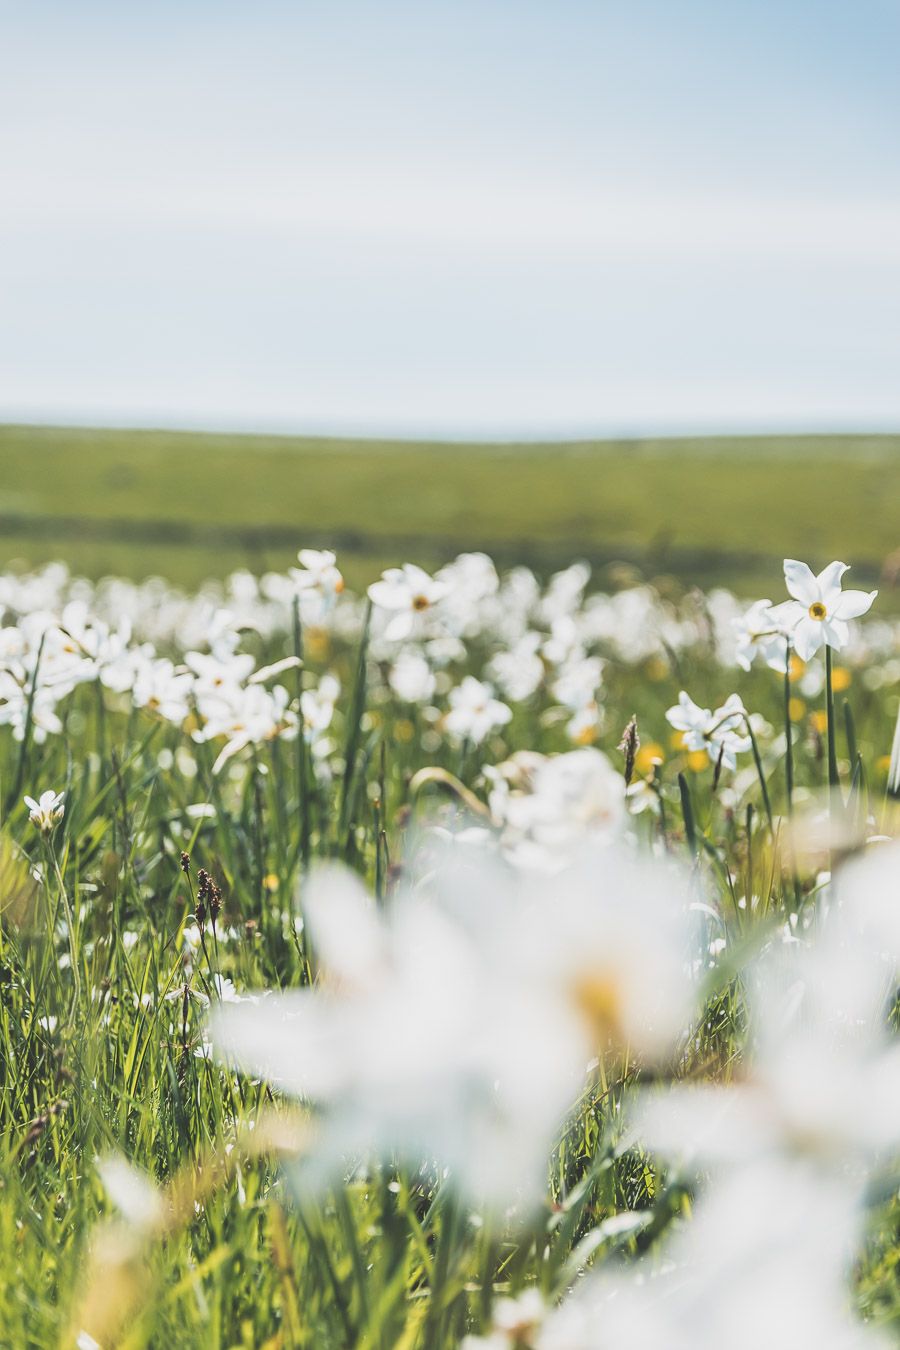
457	1024
557	804
318	580
245	716
762	631
823	1082
894	769
317	707
161	689
131	1191
715	732
576	688
519	671
640	796
411	678
409	593
819	611
474	712
47	810
780	1277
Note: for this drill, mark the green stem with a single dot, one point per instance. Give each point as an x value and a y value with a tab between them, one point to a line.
70	918
302	771
834	782
760	773
788	734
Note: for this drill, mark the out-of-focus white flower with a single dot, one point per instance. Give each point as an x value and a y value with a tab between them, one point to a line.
762	631
318	582
459	1026
894	768
819	611
823	1082
515	1323
778	1278
163	690
132	1192
556	804
413	1044
576	688
474	712
640	796
47	811
317	707
319	572
718	733
411	678
245	716
519	671
408	592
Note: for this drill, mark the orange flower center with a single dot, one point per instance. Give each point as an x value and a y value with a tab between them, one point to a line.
420	602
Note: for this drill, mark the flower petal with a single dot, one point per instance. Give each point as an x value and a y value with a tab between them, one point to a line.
837	634
801	583
808	638
829	579
853	603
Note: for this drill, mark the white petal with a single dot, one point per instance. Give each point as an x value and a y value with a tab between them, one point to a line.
388	595
853	603
801	583
829	579
837	634
344	924
287	1038
808	638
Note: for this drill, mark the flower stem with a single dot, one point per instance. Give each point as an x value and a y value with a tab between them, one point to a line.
72	932
788	734
834	782
760	773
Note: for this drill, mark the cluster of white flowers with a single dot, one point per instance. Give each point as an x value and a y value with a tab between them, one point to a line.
184	658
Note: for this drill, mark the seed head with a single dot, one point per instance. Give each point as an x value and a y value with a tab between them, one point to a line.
629	745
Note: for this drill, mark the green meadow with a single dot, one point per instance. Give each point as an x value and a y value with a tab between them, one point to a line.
190	506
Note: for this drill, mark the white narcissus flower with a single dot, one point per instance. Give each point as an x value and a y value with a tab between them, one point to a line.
718	732
409	592
458	1024
819	611
47	811
411	678
474	712
762	631
318	577
559	804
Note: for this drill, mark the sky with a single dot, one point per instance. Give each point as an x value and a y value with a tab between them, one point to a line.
453	217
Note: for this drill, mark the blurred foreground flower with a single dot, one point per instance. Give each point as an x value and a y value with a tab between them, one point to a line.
459	1025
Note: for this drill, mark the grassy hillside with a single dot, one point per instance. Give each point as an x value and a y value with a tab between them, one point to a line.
192	505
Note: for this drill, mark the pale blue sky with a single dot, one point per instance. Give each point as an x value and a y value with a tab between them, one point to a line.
451	218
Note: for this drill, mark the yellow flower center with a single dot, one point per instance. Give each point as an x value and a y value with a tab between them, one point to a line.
817	610
420	602
597	997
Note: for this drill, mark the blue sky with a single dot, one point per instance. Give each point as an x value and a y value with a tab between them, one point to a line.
467	217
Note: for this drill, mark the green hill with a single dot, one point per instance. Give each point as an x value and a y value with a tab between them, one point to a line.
194	505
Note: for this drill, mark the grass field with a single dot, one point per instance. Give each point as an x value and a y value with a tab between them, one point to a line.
252	1102
190	506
